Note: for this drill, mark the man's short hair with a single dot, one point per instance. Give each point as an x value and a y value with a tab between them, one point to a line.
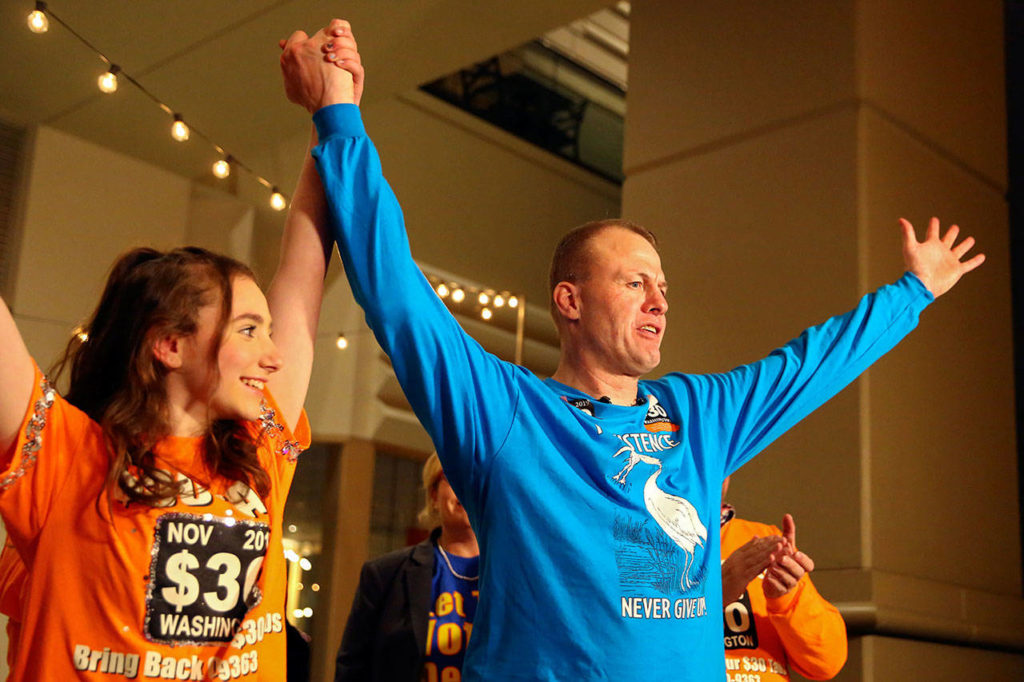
571	260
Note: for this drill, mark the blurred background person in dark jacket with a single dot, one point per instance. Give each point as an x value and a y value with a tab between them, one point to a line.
413	611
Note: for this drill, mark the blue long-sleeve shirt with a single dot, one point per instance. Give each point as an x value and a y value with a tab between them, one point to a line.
597	523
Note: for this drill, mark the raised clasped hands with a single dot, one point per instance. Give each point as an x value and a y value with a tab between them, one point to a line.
324	68
938	260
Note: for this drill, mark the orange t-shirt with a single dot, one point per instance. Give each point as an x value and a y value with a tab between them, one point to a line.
12	582
762	635
191	590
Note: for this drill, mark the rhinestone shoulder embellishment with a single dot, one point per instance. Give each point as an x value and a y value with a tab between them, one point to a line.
33	434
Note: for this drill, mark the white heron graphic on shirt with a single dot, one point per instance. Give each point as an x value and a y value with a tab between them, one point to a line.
676	516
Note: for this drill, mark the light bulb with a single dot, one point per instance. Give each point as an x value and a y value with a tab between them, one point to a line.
221	168
513	302
486	313
458	295
315	587
37	21
342	342
108	81
499	301
307	612
277	200
483	298
442	290
297	613
179	131
304	564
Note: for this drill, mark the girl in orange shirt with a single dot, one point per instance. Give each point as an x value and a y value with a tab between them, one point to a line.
147	504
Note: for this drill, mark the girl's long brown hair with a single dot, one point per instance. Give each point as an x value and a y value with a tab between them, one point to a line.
117	381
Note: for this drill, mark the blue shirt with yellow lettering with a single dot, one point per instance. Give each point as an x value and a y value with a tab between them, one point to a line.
454	593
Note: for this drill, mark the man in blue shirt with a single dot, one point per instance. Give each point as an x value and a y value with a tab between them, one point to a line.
595	495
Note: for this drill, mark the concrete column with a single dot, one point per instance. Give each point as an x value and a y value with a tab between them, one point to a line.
346	539
772	147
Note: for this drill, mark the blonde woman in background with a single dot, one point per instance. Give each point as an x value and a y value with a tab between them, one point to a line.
413	610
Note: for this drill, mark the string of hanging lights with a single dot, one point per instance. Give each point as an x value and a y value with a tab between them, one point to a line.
39	22
486	302
472	300
453	293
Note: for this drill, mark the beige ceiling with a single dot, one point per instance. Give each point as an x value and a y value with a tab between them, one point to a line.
215	61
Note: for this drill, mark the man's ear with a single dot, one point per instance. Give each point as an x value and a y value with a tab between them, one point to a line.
567	300
168	350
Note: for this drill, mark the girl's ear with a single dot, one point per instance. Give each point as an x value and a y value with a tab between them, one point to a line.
168	351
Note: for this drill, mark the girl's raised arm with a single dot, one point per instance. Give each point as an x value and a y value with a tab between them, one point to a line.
16	374
297	290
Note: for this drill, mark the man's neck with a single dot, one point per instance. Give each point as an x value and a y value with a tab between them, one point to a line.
621	390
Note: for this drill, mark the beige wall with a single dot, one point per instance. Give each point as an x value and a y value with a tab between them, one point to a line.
772	146
880	659
83	205
473	195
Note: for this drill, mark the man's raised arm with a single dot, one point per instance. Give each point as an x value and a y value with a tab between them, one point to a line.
443	371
